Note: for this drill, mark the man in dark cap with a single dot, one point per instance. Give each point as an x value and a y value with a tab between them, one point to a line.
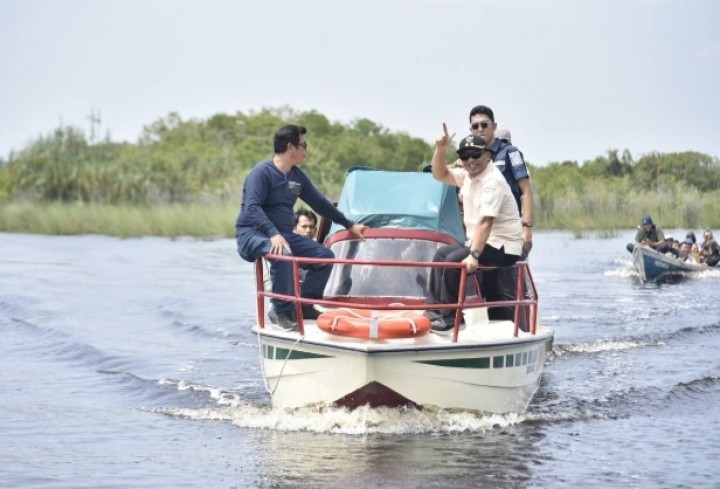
650	235
492	222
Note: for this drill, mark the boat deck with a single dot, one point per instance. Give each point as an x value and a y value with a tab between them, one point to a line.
488	333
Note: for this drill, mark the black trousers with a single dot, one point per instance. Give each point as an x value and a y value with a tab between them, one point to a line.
498	284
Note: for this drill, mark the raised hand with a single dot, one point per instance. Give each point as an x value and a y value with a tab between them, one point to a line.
445	138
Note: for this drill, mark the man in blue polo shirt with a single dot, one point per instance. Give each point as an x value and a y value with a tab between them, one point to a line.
510	161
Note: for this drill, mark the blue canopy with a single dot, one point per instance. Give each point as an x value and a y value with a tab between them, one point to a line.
406	200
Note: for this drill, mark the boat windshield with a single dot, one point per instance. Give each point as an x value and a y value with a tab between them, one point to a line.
381	280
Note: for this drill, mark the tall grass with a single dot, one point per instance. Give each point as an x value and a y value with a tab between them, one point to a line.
600	210
172	220
607	208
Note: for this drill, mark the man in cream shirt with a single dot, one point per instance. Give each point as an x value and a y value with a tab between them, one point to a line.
492	222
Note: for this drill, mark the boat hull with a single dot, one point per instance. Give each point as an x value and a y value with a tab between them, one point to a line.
495	375
657	267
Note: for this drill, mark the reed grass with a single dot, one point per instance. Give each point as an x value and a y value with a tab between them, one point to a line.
604	209
170	220
599	211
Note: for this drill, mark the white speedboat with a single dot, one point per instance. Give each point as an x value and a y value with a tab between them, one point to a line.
372	345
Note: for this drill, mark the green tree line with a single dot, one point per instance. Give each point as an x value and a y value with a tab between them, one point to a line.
202	162
183	161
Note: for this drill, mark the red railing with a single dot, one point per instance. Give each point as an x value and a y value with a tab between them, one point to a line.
521	303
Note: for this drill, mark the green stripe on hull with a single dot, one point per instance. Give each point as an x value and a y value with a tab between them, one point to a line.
275	353
508	360
483	362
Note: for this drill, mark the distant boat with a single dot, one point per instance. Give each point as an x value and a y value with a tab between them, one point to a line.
372	345
653	266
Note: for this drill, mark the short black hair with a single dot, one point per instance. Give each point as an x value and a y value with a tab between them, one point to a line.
482	110
287	134
307	213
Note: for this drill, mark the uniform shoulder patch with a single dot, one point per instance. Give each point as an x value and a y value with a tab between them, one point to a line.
516	158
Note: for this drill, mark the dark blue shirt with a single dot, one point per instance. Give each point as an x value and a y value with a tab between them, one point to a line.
269	197
510	161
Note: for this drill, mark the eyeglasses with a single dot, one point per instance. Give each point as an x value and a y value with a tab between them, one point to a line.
304	145
477	125
474	155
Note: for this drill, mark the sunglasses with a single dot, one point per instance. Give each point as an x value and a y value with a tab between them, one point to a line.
474	155
478	125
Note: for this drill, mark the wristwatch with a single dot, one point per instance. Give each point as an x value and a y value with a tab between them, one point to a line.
527	224
475	254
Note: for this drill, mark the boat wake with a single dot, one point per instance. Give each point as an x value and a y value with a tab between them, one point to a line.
360	421
601	346
651	340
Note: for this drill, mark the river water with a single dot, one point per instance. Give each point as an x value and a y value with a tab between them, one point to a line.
130	363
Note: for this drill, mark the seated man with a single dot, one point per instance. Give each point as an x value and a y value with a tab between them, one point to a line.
695	252
710	249
650	235
264	224
305	223
685	253
492	222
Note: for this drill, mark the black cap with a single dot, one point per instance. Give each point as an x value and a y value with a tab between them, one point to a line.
472	142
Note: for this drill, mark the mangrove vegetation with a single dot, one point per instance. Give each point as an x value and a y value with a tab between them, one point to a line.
184	177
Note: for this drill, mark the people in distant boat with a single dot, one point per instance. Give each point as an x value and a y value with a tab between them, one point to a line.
492	222
265	222
695	252
710	251
650	235
685	251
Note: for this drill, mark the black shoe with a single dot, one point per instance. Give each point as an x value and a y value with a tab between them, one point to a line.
309	312
272	316
441	327
287	322
432	315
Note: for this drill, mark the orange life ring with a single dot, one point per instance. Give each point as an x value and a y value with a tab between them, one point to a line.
363	323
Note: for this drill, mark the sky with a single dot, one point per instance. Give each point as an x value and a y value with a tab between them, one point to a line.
572	79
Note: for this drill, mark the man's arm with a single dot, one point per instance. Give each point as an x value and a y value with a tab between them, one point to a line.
527	200
255	192
320	204
526	216
479	239
439	166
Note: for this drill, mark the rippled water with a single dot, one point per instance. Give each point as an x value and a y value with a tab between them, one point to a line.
130	364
